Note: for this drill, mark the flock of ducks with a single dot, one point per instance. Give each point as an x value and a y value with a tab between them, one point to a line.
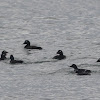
59	56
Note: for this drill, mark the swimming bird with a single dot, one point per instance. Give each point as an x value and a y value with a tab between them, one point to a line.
12	61
3	55
28	46
80	71
59	55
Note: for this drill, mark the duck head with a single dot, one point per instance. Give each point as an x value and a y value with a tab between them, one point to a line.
11	57
4	52
60	52
27	42
3	55
74	66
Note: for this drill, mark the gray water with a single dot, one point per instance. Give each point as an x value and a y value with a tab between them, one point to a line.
70	25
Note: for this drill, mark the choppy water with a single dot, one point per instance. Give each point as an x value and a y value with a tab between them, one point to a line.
70	25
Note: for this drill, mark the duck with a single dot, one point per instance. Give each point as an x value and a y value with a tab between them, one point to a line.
28	46
80	71
59	55
13	61
3	55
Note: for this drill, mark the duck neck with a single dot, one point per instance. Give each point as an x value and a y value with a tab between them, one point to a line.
12	58
61	54
28	44
3	56
75	68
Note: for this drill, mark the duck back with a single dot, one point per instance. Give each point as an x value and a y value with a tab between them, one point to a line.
32	47
16	61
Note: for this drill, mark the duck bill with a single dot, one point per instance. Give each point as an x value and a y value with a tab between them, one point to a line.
57	52
70	66
6	52
24	43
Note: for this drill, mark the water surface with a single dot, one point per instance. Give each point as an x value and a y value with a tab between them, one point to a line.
72	26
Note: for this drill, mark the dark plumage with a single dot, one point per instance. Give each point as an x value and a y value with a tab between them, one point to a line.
12	61
98	60
80	71
28	46
59	55
3	55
